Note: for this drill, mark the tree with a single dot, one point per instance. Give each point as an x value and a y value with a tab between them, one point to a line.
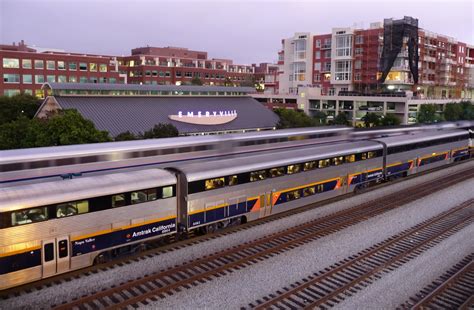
320	118
371	119
453	112
468	110
161	131
293	119
427	114
126	136
341	119
69	127
390	120
12	108
196	81
20	133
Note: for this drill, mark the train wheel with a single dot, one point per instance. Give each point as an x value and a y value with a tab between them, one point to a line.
212	228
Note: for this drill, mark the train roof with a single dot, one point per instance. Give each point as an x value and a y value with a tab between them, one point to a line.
421	136
53	152
240	164
46	193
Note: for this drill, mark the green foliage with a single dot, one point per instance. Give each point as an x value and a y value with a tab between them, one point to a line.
15	107
126	136
161	131
453	112
427	114
293	119
468	110
196	81
371	119
320	118
341	119
64	128
390	120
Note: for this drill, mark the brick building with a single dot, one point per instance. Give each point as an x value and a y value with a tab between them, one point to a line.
25	69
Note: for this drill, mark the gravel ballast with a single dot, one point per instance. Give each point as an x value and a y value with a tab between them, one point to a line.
244	286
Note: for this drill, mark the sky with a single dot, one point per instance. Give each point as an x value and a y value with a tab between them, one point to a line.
246	31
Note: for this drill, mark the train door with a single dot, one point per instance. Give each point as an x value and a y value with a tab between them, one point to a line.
268	203
55	256
262	205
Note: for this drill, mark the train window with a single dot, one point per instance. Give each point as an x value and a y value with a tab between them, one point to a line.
350	158
293	195
198	148
150	153
371	154
12	167
39	164
88	159
320	188
186	149
323	163
258	175
72	208
138	197
62	248
308	191
291	169
363	156
232	180
276	172
167	151
65	161
118	200
167	192
310	165
336	161
48	252
214	183
29	216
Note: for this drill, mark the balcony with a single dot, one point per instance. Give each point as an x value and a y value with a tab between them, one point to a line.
429	59
325	46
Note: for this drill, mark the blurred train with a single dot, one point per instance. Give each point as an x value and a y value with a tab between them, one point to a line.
89	159
53	227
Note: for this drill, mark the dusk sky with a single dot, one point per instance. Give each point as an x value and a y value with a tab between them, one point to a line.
245	31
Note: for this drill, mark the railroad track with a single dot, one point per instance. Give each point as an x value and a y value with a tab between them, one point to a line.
158	247
160	284
453	290
345	278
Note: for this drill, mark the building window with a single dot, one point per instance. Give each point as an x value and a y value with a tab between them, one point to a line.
343	70
178	74
92	67
39	93
11	63
327	66
358	64
344	45
357	77
318	43
11	92
72	66
317	55
317	77
83	79
11	78
147	73
317	66
112	80
28	92
188	74
27	79
103	80
61	79
359	51
61	65
83	66
39	64
327	54
39	79
167	74
359	39
103	68
72	79
51	78
154	73
50	65
93	79
26	63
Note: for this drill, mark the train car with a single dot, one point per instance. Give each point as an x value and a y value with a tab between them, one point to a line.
422	151
86	159
229	191
54	227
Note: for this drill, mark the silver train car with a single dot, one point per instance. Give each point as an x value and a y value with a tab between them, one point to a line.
86	159
53	227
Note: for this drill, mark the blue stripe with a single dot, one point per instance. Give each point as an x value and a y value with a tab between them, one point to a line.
20	261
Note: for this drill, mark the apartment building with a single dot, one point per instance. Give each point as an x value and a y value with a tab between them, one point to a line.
266	75
388	57
25	69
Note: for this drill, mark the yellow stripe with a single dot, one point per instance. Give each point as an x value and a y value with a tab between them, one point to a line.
461	148
20	251
105	231
395	164
435	154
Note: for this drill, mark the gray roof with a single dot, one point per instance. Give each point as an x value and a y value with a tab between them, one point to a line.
138	87
138	114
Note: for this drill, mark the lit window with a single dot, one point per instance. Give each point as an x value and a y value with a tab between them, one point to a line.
61	79
258	175
293	195
294	169
72	208
350	158
309	191
232	180
11	63
310	165
72	79
118	200
323	163
61	65
26	63
93	67
143	195
214	183
167	192
336	161
29	216
276	172
103	68
28	92
11	92
50	65
370	154
39	93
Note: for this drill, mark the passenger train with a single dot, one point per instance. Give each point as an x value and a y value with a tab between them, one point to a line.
53	227
29	165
